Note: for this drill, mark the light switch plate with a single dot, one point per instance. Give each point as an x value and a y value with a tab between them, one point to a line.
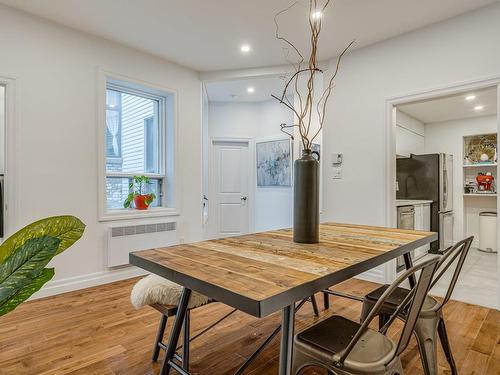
337	173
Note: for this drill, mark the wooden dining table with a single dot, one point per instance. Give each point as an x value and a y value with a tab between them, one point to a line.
266	272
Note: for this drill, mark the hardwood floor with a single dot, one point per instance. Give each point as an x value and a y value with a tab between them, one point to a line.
97	331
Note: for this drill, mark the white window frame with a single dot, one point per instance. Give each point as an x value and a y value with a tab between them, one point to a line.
168	147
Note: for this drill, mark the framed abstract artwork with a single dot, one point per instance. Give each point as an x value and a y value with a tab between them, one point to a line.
274	163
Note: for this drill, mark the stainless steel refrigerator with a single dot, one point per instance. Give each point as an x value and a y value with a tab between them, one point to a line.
430	177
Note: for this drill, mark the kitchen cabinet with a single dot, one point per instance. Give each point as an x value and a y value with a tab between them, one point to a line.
408	142
422	222
410	134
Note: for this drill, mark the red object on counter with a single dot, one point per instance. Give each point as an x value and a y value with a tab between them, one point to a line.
484	181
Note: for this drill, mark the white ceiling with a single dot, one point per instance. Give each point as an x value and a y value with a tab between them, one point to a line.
206	34
236	91
453	107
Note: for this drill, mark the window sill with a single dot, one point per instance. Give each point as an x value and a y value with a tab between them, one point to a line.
126	214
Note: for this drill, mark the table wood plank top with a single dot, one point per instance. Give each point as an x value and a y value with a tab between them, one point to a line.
263	272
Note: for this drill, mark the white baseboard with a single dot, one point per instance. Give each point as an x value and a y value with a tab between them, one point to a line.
86	281
375	275
71	284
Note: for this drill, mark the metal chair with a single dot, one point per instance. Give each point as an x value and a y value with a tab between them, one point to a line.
430	322
343	346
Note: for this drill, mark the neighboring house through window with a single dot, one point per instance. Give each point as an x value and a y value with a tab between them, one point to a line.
151	145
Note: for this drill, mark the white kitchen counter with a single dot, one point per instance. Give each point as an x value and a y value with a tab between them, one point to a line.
409	202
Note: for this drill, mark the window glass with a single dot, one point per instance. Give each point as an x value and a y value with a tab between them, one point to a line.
132	133
133	143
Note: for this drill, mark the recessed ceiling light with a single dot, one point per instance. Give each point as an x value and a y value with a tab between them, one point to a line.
250	90
470	97
245	48
479	107
316	14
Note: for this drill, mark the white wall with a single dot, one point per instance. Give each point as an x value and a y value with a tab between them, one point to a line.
451	52
273	205
56	132
410	134
257	121
447	137
56	119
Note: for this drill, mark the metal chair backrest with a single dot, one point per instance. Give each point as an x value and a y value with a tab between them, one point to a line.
459	250
414	299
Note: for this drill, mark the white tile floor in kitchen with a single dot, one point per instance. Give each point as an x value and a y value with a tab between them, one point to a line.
478	282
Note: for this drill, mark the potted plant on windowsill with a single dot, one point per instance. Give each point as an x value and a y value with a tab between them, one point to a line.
137	194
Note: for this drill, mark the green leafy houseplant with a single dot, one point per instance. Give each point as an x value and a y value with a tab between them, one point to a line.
137	194
24	255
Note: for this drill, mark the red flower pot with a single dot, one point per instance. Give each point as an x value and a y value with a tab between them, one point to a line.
140	202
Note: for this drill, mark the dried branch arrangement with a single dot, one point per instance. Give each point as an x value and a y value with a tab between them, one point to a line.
308	69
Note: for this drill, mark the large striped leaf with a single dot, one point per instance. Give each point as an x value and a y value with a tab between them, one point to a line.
23	294
25	264
67	228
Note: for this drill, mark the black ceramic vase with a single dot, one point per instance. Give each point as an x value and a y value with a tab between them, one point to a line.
306	198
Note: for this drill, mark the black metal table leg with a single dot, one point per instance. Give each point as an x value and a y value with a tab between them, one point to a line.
286	347
266	342
176	330
314	305
185	345
326	300
408	265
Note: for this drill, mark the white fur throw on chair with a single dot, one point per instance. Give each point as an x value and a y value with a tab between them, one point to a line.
155	289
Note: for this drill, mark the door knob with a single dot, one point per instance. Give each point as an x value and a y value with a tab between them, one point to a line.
243	198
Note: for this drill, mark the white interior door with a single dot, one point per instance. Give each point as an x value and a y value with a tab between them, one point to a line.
231	171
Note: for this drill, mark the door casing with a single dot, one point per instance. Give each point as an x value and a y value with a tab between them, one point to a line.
390	143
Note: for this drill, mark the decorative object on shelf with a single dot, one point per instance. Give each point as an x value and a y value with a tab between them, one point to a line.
24	255
485	182
310	116
470	187
480	149
274	163
138	194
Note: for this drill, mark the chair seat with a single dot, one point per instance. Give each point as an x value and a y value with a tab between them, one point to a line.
154	289
430	303
331	336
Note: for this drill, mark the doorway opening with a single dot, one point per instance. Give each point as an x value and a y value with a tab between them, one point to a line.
2	159
444	169
247	160
9	202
